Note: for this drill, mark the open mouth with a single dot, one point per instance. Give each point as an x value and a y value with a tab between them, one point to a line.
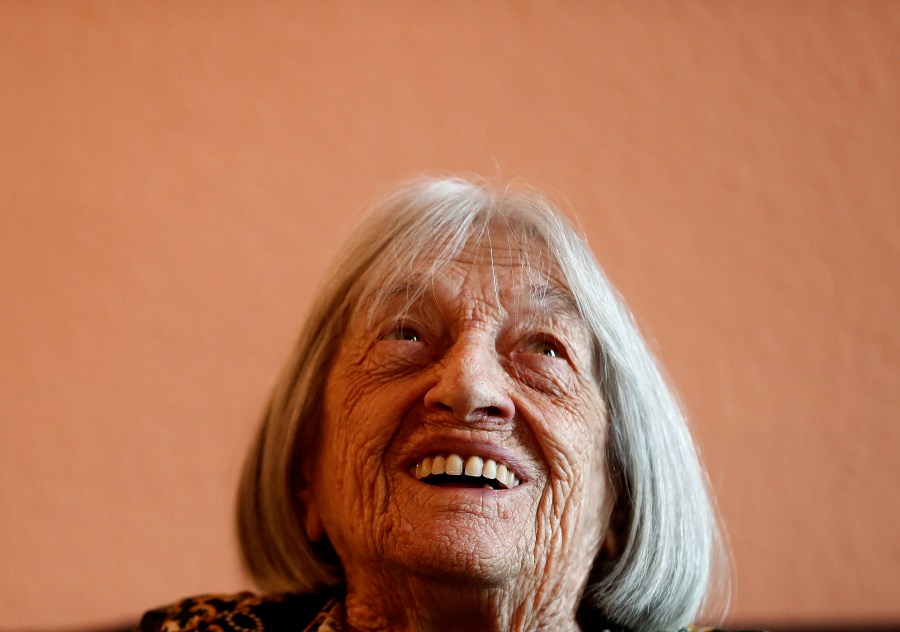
454	471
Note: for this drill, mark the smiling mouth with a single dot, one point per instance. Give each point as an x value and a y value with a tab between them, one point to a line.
475	471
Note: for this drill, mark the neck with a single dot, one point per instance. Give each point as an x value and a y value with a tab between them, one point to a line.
425	604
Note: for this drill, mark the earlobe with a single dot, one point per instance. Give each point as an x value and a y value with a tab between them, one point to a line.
313	523
609	548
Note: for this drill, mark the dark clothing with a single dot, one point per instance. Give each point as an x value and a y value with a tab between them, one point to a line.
247	612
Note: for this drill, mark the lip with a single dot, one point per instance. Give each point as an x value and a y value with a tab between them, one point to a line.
466	448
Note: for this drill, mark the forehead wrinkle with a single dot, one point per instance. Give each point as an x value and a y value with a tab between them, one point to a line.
539	292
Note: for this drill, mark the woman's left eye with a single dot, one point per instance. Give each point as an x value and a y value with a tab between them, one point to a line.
547	348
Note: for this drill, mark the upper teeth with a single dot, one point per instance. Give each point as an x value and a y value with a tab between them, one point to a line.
454	465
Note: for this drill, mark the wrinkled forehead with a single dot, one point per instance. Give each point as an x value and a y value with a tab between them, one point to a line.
523	272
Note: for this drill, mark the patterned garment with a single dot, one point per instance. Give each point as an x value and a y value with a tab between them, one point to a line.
247	612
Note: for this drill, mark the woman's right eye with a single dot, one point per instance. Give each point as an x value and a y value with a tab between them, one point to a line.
407	334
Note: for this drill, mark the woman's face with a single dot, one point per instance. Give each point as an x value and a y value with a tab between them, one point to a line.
490	370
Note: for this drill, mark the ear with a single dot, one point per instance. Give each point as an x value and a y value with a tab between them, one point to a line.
609	548
613	540
313	523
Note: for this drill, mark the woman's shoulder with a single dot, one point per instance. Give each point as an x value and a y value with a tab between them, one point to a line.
238	612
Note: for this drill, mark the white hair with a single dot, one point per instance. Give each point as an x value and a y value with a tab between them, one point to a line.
671	560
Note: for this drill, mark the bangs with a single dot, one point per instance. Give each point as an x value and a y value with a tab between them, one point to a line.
407	266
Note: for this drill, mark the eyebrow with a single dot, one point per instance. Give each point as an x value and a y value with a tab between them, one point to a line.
409	291
554	299
412	288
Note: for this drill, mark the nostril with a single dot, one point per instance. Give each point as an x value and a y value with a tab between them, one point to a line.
470	386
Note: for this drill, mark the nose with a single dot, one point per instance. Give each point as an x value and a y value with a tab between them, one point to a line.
471	384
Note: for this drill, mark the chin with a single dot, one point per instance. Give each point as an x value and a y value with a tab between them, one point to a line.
459	553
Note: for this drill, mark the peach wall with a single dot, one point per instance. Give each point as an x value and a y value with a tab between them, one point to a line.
174	177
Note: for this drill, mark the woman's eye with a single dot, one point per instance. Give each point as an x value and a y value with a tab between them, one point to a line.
407	334
546	348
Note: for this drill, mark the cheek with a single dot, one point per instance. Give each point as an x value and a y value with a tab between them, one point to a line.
595	466
573	439
593	490
350	416
357	427
348	488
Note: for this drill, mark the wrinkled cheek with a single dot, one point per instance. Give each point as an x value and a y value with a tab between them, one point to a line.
552	513
569	529
354	522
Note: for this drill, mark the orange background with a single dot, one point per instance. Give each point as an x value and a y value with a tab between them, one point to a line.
175	176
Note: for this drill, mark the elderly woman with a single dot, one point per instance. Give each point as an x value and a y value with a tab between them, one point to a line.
469	435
